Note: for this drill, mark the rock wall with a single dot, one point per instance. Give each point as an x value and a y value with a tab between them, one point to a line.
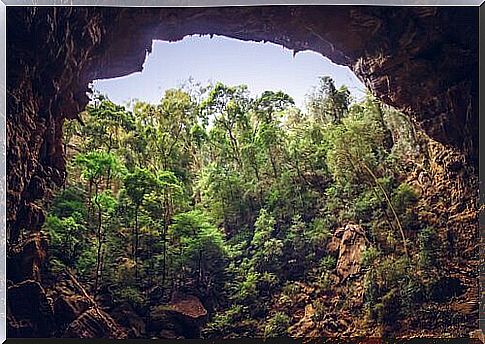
422	60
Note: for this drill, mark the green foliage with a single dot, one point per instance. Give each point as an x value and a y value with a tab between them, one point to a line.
328	263
289	292
356	144
267	250
277	325
67	238
87	262
132	295
403	197
369	257
226	322
428	247
201	246
387	311
247	290
391	290
96	164
70	202
327	104
235	199
139	183
319	233
320	310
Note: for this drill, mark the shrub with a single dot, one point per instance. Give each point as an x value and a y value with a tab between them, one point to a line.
369	257
428	247
328	263
247	290
87	262
224	322
403	197
324	281
132	295
68	202
389	309
412	293
390	289
291	289
319	231
289	294
67	238
366	204
277	325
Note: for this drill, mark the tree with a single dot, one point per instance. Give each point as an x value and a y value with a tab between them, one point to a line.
356	153
200	246
227	108
269	108
235	199
67	238
138	183
326	103
95	166
267	250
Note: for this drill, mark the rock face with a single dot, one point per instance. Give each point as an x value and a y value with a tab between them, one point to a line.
30	312
348	245
25	259
449	198
422	60
78	315
64	310
94	323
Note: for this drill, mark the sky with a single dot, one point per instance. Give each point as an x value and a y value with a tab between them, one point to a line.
260	66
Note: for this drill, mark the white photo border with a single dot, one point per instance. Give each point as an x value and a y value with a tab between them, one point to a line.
178	3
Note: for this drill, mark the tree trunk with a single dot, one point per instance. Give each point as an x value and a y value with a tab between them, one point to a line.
273	164
98	257
167	214
403	237
135	250
199	268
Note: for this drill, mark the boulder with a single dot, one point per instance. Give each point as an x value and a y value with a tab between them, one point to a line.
348	245
95	323
25	259
125	315
69	301
78	315
181	318
30	311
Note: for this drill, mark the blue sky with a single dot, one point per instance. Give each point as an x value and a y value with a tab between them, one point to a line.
261	66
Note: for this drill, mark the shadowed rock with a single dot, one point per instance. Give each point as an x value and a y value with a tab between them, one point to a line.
348	245
181	318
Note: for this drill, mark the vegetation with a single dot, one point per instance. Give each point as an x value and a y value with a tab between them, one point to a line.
234	199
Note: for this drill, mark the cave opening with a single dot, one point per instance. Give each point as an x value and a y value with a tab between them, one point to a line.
253	219
254	73
212	58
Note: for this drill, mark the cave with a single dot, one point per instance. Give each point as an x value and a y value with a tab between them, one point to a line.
421	60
